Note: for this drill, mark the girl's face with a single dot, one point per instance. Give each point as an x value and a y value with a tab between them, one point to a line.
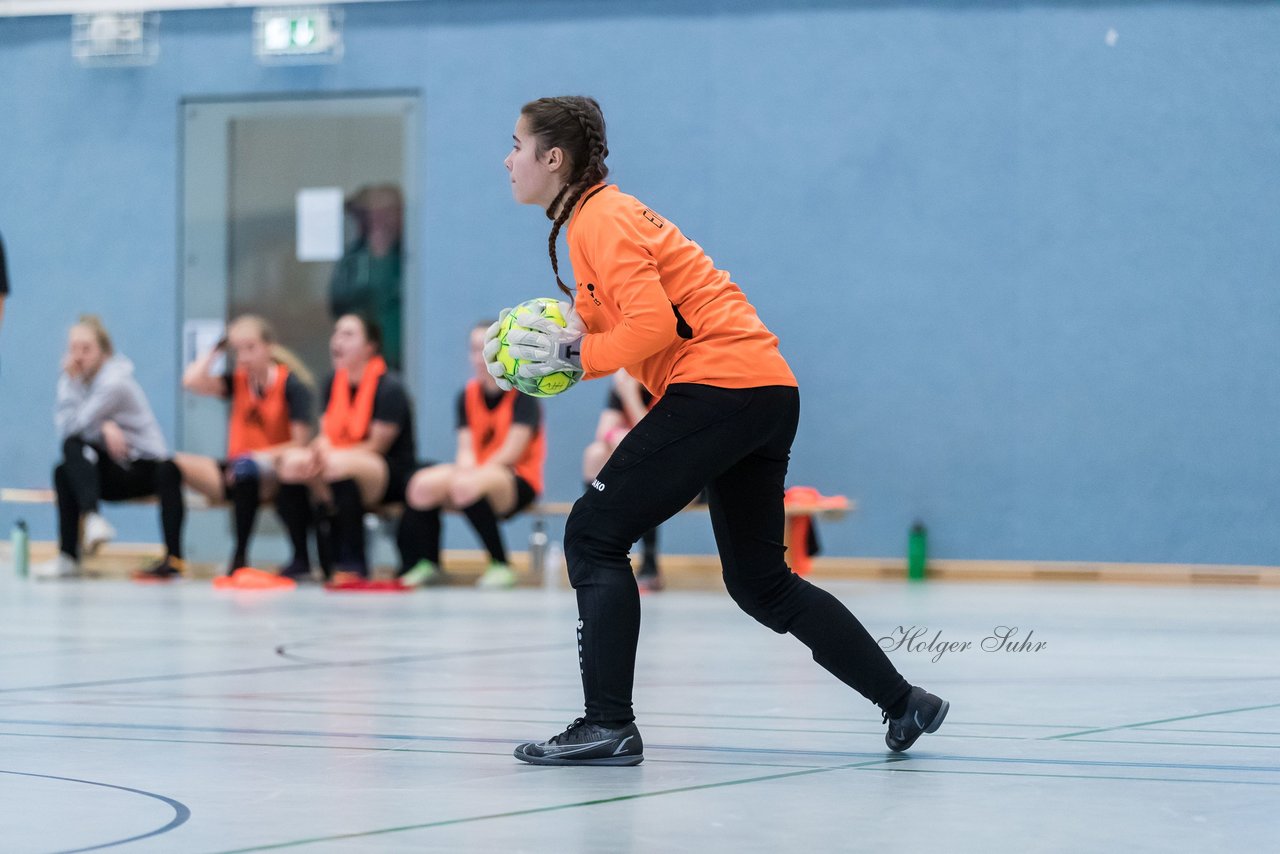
348	346
536	178
251	352
86	353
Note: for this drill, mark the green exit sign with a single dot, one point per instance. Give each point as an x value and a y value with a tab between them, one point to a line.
311	34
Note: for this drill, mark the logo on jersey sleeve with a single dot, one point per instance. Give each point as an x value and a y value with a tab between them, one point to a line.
654	218
591	292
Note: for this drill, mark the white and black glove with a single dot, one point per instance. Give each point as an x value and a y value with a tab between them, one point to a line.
491	347
542	345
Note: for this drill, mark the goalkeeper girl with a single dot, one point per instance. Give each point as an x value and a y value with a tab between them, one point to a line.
648	299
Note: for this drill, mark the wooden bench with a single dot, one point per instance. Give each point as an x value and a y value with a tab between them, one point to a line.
829	509
832	508
193	500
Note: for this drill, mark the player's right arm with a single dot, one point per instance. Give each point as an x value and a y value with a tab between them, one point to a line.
198	380
82	413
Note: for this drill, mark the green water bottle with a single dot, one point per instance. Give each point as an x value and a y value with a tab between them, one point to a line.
917	551
21	548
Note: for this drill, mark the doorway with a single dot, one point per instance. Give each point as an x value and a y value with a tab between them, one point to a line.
287	210
280	199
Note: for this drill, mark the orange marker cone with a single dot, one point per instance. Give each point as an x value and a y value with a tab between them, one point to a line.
248	578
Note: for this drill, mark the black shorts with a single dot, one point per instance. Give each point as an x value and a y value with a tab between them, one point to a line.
397	484
524	495
223	466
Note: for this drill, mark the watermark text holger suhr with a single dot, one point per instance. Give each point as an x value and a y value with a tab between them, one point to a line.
917	639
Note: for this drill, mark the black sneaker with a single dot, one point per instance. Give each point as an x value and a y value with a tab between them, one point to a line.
165	569
925	713
586	744
298	570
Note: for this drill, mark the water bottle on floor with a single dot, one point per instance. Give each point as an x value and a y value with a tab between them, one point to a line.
553	570
917	551
21	548
538	551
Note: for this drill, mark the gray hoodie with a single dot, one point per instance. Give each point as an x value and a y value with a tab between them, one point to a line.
112	395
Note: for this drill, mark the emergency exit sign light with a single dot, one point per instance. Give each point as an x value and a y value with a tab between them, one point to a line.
297	35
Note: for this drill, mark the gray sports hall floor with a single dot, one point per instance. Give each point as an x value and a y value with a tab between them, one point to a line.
176	719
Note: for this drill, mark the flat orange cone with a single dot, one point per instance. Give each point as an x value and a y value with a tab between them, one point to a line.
248	578
350	582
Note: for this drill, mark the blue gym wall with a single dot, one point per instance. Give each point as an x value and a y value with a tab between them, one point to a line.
1029	281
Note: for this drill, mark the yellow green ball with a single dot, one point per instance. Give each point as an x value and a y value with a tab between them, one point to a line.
545	386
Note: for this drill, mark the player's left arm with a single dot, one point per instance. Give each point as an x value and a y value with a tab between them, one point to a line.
298	398
390	411
382	435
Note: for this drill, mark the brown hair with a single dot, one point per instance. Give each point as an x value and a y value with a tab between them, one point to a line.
280	354
94	324
575	124
372	330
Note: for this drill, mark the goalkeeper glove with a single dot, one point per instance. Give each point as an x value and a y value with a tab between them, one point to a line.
545	346
491	347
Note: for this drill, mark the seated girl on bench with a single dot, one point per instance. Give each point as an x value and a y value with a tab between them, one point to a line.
270	392
496	473
113	450
363	455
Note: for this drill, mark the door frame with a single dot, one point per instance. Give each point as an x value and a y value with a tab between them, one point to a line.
203	233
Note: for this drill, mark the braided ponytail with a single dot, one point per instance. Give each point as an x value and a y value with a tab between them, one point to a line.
575	124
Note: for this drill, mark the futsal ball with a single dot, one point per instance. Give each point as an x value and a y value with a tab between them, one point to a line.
545	386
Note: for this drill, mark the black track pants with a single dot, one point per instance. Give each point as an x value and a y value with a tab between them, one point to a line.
737	443
88	474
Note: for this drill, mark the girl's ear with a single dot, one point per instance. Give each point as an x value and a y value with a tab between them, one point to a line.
555	159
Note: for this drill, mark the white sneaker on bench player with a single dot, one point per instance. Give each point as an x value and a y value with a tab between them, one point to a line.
97	531
62	566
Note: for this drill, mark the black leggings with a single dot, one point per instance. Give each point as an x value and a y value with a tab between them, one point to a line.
737	443
88	474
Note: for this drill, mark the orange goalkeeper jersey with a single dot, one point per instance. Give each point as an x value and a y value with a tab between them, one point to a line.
656	305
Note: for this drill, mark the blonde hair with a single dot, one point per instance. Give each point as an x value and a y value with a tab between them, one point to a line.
94	324
280	354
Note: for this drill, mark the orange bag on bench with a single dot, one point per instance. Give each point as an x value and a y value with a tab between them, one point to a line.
802	531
